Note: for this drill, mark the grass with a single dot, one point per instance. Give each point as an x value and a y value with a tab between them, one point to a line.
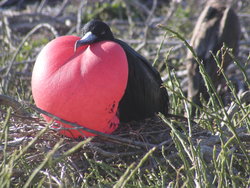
213	152
225	163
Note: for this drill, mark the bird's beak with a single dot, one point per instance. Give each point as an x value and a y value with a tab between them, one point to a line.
88	38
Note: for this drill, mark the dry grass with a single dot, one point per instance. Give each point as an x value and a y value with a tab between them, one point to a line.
213	151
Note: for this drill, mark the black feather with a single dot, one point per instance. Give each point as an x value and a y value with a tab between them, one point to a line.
144	95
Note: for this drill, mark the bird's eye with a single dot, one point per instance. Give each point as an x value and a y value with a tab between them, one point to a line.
103	32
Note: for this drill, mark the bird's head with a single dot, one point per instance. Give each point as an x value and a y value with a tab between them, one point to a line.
94	31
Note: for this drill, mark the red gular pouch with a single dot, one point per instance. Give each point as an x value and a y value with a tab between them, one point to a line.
82	86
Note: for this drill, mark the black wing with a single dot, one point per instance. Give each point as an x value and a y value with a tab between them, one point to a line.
144	95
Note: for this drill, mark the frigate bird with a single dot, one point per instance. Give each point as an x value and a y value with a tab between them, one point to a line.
218	24
144	95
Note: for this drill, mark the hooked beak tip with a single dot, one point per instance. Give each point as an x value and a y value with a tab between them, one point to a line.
79	43
76	46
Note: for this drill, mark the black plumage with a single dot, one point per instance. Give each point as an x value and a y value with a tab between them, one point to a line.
144	95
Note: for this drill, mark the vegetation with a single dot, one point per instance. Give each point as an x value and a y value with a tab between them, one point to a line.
211	150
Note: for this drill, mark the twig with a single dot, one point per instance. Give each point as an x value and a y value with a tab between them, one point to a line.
46	25
79	15
42	4
171	11
64	5
112	154
124	179
8	101
8	32
148	23
234	107
25	62
129	15
131	143
138	5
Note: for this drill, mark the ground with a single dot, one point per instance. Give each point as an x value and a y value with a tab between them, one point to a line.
211	150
